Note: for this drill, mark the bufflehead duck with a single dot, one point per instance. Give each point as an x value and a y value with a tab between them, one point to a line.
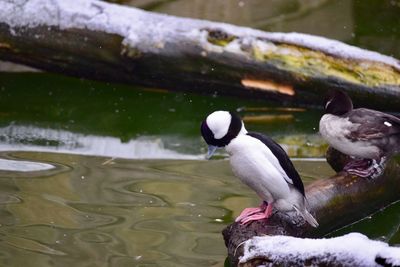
368	136
258	162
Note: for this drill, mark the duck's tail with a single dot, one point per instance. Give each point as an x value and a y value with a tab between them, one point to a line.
307	216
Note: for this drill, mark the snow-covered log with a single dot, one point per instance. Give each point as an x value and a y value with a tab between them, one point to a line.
98	40
335	201
353	249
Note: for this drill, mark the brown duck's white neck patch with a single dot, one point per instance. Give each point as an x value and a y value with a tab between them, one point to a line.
388	124
219	122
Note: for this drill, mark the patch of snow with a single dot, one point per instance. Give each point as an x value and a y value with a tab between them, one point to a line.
23	165
29	138
200	36
265	47
353	247
234	47
151	31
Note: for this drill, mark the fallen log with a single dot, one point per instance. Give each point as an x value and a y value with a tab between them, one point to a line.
98	40
336	201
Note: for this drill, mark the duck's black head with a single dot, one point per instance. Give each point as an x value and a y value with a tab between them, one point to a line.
219	128
338	103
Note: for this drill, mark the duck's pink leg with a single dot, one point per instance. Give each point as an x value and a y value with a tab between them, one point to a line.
359	164
366	168
251	211
266	213
248	212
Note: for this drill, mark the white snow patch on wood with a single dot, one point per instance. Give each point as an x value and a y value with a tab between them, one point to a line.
353	249
151	31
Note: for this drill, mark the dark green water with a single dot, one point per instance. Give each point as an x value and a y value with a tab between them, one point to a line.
50	112
128	184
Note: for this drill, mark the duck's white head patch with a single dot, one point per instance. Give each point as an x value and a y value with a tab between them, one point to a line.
219	122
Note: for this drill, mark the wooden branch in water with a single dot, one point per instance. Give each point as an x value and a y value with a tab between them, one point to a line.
335	202
97	40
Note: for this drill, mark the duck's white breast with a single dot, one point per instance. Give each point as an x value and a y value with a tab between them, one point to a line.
256	166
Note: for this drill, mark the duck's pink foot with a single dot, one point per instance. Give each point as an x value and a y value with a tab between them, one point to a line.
249	212
357	164
264	212
366	168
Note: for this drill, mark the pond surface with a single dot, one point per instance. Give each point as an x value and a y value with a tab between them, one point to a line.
98	174
93	211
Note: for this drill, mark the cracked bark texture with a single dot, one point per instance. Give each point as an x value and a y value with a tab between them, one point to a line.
96	40
335	201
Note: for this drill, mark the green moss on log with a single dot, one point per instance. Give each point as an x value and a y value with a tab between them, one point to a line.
219	37
310	63
306	63
130	52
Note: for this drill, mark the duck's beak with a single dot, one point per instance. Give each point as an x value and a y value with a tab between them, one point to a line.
211	150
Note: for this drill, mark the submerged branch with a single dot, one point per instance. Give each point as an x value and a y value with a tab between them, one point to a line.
97	40
335	202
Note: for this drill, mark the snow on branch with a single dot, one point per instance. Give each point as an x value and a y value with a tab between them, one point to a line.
353	249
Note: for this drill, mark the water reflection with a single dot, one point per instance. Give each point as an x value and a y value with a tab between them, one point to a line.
125	212
29	138
23	166
45	112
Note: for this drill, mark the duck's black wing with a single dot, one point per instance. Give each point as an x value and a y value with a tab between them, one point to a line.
283	159
371	124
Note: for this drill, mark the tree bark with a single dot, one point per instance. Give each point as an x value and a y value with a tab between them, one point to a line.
335	202
97	40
